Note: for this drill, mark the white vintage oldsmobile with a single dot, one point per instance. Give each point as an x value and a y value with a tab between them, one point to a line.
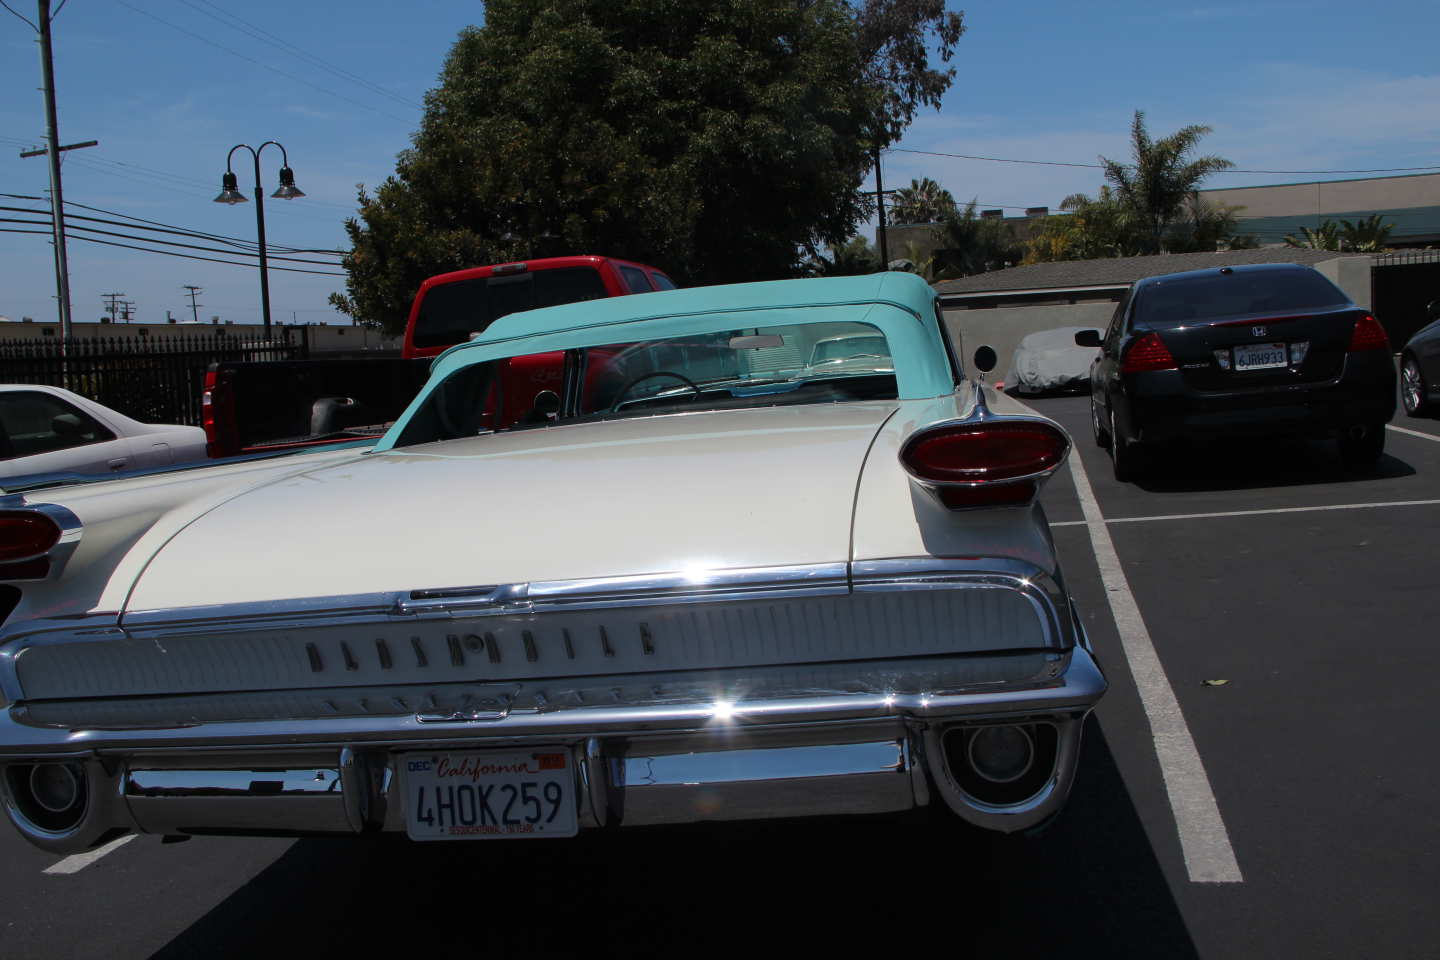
703	578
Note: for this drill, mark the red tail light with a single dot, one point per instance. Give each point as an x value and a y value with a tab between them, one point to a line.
1147	353
1369	335
24	535
207	406
217	417
992	452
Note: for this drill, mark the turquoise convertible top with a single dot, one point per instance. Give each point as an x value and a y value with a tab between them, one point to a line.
904	290
900	305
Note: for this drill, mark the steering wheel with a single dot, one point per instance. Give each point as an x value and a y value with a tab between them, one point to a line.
631	383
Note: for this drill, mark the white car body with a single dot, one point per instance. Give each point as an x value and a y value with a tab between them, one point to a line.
1050	360
757	608
130	445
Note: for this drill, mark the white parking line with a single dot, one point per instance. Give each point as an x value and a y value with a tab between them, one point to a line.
1256	513
1204	840
1412	433
79	861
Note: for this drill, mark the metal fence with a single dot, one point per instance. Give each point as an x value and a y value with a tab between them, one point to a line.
1399	258
152	379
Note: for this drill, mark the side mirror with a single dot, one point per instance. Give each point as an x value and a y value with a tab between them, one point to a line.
1087	338
985	359
547	403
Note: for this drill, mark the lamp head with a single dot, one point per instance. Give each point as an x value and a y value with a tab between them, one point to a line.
288	190
229	190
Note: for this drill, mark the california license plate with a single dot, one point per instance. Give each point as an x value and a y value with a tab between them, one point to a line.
490	795
1259	356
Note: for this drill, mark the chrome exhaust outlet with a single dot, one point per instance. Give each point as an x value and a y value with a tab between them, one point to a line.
63	805
1004	774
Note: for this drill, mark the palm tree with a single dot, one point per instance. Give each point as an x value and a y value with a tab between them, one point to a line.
967	244
1366	236
924	201
1155	186
1324	237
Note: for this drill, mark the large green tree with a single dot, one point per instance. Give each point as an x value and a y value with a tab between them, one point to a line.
718	139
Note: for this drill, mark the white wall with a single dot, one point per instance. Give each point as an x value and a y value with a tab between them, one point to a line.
1003	327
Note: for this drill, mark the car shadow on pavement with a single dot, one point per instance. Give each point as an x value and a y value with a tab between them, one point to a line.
1090	882
1253	464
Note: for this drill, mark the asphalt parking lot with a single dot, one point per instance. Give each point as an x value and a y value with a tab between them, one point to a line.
1278	801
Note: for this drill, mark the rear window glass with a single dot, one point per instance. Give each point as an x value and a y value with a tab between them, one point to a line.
662	282
635	280
729	369
1168	303
451	312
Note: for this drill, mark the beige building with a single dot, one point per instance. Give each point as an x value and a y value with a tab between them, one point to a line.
1410	203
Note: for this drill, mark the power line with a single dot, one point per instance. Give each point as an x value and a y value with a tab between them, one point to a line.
172	253
247	247
1097	166
168	243
266	66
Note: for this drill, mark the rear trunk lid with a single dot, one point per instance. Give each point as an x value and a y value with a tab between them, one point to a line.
1259	350
714	490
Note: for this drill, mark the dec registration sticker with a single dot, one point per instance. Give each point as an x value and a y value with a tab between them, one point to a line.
488	795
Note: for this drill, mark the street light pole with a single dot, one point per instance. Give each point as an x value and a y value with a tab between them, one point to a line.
230	193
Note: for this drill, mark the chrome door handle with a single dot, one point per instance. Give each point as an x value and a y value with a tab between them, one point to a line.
117	464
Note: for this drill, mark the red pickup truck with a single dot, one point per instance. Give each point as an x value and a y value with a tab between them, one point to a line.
260	407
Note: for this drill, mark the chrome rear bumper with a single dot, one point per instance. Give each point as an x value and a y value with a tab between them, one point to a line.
769	752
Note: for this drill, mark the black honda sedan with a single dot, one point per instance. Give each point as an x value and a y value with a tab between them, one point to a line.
1235	351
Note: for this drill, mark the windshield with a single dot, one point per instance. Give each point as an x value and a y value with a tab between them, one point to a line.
848	348
747	367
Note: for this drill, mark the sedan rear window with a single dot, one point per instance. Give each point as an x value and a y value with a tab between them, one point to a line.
1170	302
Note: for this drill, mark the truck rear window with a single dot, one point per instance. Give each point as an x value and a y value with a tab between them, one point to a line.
451	312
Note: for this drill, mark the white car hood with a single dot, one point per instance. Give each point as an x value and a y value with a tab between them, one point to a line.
714	490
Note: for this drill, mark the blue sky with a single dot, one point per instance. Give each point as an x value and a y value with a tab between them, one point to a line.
168	86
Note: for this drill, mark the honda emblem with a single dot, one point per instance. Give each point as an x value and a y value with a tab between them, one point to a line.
1258	331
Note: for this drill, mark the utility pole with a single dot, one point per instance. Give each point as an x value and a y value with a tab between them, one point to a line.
194	307
52	151
113	303
880	206
127	310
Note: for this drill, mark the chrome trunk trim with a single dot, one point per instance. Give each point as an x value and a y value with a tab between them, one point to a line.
1066	681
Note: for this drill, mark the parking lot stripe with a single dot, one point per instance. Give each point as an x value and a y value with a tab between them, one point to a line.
1256	513
1204	841
79	861
1412	433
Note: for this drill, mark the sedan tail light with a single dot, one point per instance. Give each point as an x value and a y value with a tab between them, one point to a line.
1147	353
986	463
26	536
1368	335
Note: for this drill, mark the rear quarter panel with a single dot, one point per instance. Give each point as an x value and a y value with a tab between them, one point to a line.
124	522
896	517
